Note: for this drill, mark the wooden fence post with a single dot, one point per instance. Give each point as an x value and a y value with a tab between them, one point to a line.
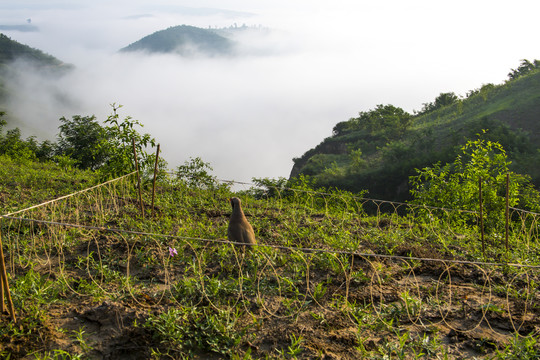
154	182
507	209
138	178
5	293
481	217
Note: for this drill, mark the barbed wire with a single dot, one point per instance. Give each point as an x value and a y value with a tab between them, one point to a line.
270	246
67	237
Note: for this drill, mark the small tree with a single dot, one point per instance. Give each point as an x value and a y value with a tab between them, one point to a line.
388	119
83	139
119	137
456	185
196	173
106	149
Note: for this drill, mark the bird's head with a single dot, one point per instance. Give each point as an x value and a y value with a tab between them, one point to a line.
235	202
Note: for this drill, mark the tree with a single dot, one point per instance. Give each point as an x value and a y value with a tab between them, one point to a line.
83	139
196	173
456	185
524	68
12	145
387	119
118	145
106	149
444	99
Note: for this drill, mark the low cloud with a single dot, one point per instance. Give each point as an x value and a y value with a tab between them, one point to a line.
250	115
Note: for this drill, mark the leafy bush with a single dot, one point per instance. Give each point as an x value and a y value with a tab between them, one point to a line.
190	329
106	149
196	174
456	185
12	145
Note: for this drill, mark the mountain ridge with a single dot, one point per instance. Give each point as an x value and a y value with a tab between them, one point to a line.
184	40
380	158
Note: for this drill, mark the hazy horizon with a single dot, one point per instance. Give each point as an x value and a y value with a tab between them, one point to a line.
249	116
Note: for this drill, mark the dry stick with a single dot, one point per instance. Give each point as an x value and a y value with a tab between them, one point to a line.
5	284
507	209
138	178
481	217
154	182
2	305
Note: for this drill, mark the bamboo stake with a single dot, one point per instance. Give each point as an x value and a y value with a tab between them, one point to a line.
2	305
507	209
138	178
481	217
5	285
155	176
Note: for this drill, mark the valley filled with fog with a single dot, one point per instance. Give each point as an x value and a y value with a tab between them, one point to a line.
303	68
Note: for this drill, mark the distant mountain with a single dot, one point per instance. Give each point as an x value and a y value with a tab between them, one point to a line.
11	50
184	40
381	148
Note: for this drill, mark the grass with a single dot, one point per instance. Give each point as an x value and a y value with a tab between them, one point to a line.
301	294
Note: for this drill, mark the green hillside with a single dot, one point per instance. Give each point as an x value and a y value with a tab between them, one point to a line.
103	265
381	148
11	50
184	40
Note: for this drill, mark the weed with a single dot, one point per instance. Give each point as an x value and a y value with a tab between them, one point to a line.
185	330
522	348
79	337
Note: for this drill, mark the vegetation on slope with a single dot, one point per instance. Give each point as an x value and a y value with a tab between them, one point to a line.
184	40
381	148
120	285
11	50
334	275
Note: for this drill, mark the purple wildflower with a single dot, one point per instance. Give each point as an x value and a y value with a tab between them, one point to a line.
172	251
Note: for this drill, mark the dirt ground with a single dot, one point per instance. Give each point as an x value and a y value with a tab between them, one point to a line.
460	305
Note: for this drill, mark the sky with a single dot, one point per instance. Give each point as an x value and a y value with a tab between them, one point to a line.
321	63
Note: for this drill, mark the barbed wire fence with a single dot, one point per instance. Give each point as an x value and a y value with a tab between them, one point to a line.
313	254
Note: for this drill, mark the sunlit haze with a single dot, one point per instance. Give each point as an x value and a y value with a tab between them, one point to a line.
321	63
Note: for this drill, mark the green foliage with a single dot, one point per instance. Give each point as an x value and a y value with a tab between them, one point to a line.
82	139
444	99
12	145
11	50
120	135
105	149
189	329
524	68
196	174
269	188
388	119
456	185
522	348
183	39
390	154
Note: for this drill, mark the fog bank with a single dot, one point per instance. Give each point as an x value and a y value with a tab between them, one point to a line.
249	115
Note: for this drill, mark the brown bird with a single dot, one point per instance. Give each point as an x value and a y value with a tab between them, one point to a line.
240	230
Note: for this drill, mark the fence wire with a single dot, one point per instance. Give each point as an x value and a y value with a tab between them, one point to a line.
324	254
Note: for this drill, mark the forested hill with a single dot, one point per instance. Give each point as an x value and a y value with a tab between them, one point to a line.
11	50
380	149
183	40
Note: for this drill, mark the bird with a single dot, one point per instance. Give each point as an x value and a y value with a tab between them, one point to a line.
240	230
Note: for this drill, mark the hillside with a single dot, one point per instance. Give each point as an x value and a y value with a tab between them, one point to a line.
91	277
183	40
123	269
11	50
381	148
